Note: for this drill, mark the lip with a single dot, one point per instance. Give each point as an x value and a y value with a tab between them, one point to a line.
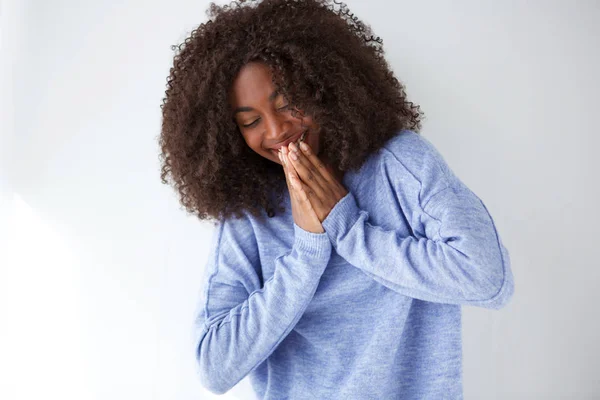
290	140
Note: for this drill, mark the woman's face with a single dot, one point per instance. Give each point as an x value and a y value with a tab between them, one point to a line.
263	116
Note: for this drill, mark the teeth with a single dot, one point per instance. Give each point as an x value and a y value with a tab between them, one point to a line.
299	140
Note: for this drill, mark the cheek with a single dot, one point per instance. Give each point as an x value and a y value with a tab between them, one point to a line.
250	141
255	144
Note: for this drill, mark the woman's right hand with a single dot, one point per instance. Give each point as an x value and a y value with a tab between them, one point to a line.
302	210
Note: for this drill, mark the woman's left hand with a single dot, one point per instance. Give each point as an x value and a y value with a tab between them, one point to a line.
324	190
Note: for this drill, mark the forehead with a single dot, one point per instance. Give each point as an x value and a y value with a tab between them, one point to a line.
252	84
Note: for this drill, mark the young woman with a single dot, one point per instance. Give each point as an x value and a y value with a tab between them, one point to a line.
344	244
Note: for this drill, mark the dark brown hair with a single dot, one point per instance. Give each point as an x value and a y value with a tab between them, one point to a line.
324	60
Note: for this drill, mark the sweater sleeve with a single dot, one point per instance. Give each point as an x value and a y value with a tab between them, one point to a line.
458	258
239	321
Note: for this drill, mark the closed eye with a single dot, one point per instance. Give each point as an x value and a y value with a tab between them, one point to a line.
250	124
283	108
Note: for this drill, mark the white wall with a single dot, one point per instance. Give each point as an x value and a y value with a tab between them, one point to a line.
101	268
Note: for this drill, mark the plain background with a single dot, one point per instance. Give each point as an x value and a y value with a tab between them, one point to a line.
101	267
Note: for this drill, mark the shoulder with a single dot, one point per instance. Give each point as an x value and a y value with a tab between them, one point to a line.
235	231
234	255
413	150
233	237
410	153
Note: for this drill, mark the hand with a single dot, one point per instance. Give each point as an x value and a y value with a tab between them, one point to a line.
302	210
322	187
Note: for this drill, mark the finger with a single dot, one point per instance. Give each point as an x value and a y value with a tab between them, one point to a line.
309	174
291	173
292	182
310	155
285	170
303	190
303	194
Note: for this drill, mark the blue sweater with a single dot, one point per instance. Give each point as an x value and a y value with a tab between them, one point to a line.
369	309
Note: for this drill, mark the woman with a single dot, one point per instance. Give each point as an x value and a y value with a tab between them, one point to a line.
344	244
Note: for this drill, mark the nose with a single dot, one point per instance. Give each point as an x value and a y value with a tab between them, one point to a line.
278	128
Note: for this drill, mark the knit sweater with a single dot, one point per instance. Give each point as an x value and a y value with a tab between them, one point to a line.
369	309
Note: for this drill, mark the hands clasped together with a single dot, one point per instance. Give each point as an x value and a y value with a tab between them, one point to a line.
314	190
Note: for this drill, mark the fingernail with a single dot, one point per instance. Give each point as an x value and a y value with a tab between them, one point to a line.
293	146
303	146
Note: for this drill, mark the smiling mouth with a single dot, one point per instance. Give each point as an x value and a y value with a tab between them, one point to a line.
301	138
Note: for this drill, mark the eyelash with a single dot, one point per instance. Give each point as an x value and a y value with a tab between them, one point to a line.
256	120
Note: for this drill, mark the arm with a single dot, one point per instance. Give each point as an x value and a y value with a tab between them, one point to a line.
458	259
239	323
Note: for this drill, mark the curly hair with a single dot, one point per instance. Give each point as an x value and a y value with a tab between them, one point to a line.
323	59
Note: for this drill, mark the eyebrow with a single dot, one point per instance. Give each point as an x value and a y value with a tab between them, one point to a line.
243	109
